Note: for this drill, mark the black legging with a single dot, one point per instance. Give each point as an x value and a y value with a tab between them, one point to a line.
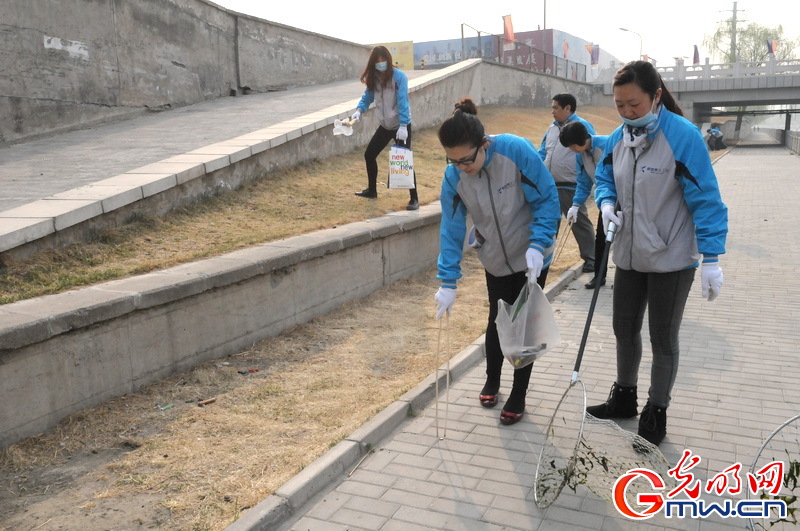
506	288
664	294
376	145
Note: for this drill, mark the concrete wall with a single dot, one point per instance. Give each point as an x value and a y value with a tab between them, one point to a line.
63	353
65	65
509	86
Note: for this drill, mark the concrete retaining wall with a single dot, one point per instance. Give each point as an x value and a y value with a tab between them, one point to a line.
65	65
509	86
67	352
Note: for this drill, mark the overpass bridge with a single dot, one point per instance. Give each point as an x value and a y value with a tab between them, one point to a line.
739	89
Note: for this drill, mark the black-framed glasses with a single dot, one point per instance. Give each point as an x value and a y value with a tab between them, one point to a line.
464	162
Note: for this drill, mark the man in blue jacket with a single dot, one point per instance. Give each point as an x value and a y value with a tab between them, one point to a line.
560	161
589	151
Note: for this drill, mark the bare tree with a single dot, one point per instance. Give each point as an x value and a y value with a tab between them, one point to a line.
749	44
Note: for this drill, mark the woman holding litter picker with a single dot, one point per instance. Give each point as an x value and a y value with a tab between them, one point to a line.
657	184
502	183
387	87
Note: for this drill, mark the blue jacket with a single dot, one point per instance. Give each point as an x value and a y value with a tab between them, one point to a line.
391	101
586	167
560	160
671	206
512	202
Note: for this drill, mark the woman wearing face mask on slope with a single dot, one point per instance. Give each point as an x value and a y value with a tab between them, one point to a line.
388	88
502	183
670	216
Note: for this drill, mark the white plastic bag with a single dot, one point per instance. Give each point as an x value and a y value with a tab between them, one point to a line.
527	329
342	127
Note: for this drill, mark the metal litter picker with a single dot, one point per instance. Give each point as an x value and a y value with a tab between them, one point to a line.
580	449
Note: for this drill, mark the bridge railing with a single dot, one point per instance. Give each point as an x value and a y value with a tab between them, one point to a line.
768	67
793	141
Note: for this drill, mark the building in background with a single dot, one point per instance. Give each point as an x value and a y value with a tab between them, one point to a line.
547	51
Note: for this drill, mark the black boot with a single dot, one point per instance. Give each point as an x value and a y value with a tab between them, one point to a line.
653	423
368	193
413	202
621	404
371	191
592	283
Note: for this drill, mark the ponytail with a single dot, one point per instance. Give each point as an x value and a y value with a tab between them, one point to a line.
463	127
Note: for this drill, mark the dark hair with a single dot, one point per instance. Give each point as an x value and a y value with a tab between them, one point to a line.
566	99
370	76
645	75
463	127
573	134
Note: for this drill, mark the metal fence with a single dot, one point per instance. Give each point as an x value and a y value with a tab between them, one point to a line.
496	48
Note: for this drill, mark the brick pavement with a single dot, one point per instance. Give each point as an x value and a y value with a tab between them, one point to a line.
737	382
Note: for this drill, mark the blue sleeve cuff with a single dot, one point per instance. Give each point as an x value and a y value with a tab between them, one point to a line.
537	247
710	258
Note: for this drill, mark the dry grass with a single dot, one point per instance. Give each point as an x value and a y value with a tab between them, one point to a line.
312	196
154	458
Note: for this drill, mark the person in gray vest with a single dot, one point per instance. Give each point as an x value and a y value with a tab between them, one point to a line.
560	161
387	87
656	183
502	185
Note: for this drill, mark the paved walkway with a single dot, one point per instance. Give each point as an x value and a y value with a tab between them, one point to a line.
737	382
37	169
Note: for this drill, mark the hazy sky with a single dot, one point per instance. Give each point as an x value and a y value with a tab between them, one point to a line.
667	28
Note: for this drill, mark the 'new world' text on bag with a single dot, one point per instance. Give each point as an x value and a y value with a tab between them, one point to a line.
401	168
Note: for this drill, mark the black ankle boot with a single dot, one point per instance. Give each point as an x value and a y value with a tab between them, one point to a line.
621	404
369	193
653	423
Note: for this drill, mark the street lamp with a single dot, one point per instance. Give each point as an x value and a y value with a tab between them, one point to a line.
640	40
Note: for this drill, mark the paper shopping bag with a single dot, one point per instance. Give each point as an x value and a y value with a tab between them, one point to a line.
401	168
527	329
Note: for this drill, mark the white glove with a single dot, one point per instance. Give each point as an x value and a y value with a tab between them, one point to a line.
444	298
535	262
710	279
402	133
608	216
356	116
572	214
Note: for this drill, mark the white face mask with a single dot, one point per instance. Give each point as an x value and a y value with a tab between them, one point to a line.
642	121
381	67
637	132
